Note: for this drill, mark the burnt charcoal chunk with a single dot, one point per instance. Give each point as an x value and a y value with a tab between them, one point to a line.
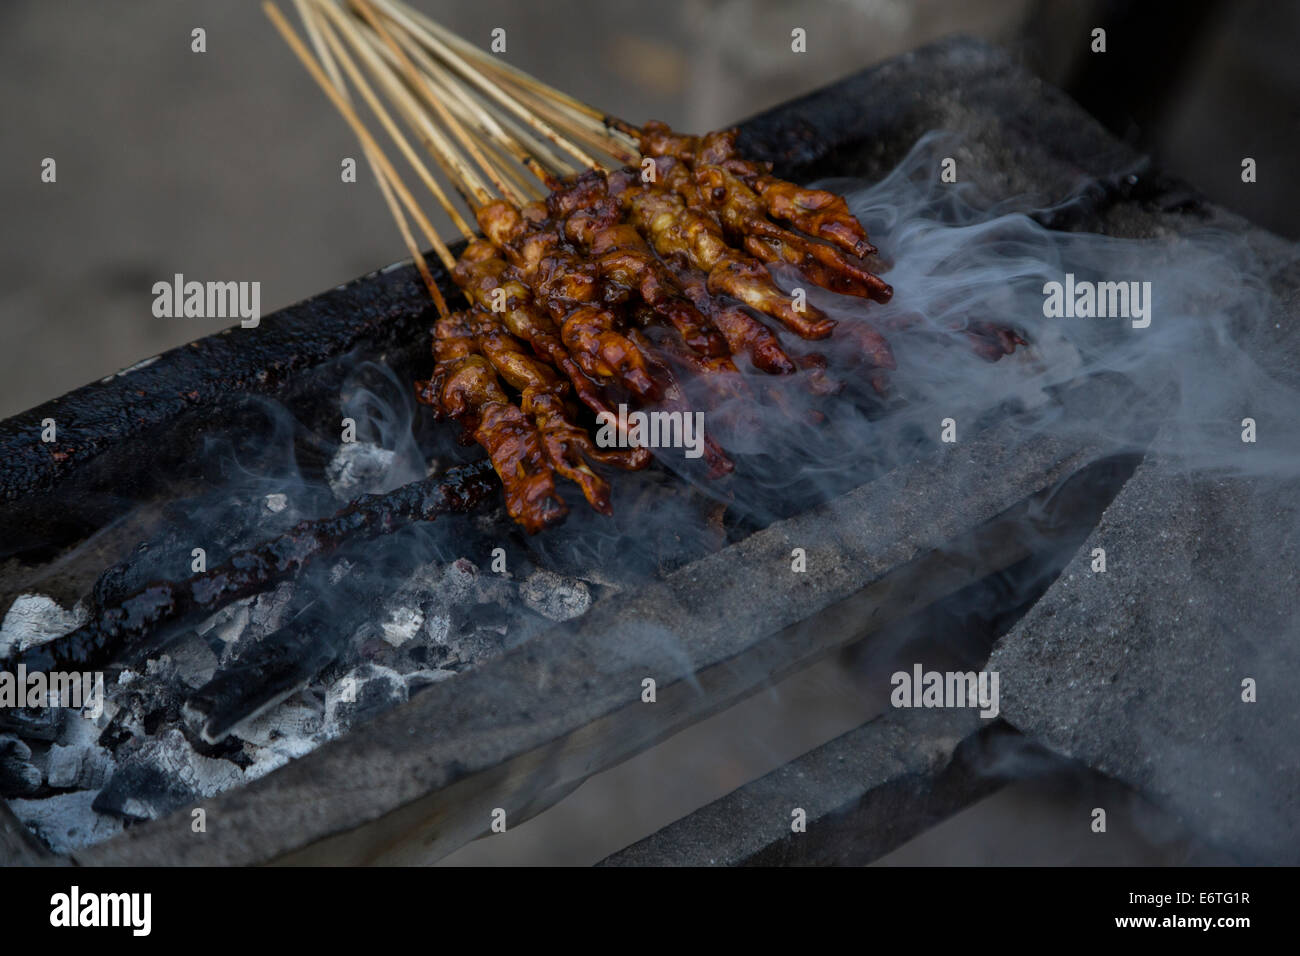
363	693
19	777
32	723
230	522
142	792
162	774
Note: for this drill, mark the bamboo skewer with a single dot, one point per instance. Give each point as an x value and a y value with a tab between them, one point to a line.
435	35
321	46
430	136
373	151
429	30
482	121
444	115
412	21
440	81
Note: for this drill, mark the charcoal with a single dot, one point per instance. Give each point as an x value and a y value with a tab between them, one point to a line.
554	596
268	666
362	693
437	628
298	717
266	675
19	777
281	734
142	792
33	619
163	774
402	624
228	525
32	723
66	822
473	647
78	767
459	580
251	571
194	660
358	467
227	624
268	610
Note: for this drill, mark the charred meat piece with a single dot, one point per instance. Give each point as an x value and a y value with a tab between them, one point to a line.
465	387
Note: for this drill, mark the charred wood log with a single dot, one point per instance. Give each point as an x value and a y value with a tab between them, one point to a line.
249	572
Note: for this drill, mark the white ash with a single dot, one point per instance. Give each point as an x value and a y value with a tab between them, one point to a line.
362	693
403	623
79	761
417	680
459	580
276	503
228	623
340	570
66	822
139	764
34	619
358	467
247	620
554	596
278	753
300	716
81	768
441	617
283	733
269	608
169	756
194	659
438	628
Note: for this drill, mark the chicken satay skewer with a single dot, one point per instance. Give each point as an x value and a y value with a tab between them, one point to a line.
466	383
589	333
528	325
818	212
735	275
541	392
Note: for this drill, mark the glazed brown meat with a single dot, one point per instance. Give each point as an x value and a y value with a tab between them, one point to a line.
814	211
673	229
465	387
620	283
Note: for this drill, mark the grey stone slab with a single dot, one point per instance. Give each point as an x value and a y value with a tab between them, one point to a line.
1138	671
863	793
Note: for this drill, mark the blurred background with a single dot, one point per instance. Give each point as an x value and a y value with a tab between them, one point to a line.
225	165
